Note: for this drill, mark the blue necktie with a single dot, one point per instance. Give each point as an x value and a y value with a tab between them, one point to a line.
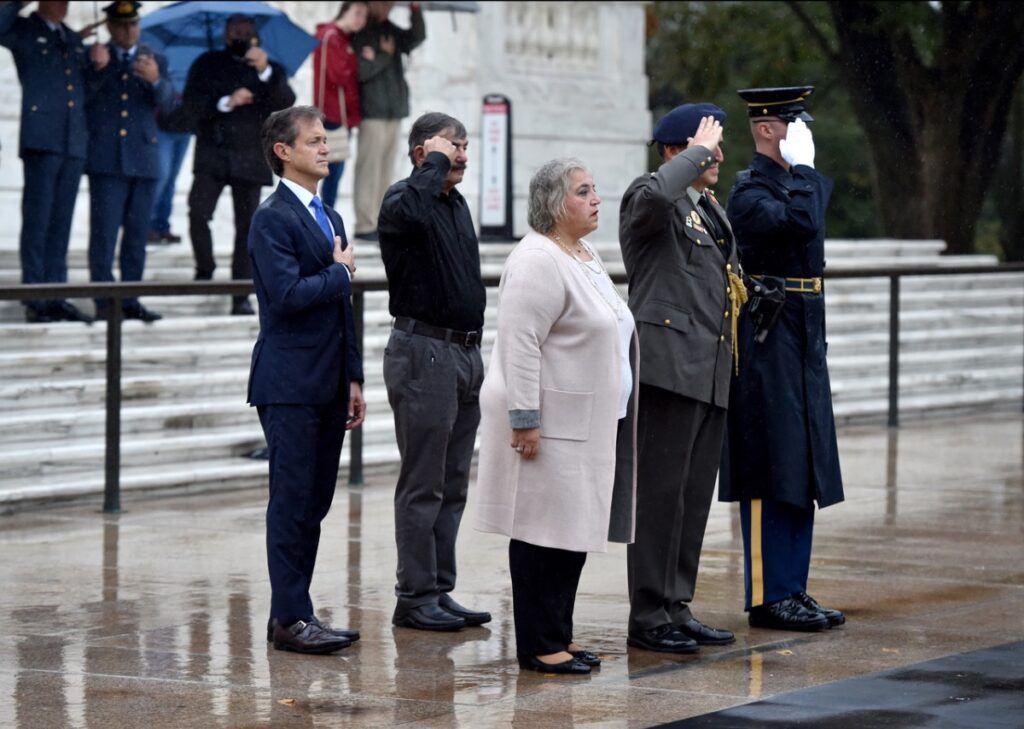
322	221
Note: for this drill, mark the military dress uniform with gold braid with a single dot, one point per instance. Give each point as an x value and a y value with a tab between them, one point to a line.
51	67
123	163
681	261
781	455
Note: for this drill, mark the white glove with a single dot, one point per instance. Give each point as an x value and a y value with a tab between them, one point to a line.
798	146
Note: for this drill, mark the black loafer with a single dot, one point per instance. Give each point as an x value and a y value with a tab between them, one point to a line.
242	307
350	635
305	637
66	311
705	635
472	617
587	658
834	617
573	665
427	617
786	614
663	639
140	312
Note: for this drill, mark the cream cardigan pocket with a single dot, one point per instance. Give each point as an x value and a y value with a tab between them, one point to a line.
565	415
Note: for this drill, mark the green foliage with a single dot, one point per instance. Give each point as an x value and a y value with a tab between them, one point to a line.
705	51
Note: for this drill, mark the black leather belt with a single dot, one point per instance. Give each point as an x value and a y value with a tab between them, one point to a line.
412	326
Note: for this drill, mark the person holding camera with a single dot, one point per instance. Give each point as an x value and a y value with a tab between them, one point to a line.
781	454
123	164
229	94
685	293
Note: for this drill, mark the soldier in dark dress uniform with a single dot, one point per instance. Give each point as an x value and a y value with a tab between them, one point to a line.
780	455
52	64
124	157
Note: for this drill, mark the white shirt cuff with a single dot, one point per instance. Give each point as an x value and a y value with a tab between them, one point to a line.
224	104
267	73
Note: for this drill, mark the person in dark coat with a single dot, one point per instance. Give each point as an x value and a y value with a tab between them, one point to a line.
52	64
124	158
781	454
682	266
229	93
306	375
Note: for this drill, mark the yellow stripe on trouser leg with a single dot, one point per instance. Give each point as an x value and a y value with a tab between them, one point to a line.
756	564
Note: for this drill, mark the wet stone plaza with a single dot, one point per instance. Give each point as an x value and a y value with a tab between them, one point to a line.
156	617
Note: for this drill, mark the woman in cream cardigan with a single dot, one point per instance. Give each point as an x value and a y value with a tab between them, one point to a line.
557	442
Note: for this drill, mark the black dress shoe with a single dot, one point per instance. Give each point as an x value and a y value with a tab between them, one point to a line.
350	635
834	617
305	637
37	315
587	658
705	635
140	312
573	665
663	639
66	311
242	307
427	617
370	235
472	617
786	614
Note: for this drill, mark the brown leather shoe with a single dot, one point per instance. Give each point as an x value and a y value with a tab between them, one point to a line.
305	637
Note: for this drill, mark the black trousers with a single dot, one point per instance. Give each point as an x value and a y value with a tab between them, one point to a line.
544	583
202	201
305	447
679	445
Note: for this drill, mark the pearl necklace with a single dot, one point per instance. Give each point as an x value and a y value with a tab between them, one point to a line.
615	303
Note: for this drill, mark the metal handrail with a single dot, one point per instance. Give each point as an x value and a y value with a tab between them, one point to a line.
119	291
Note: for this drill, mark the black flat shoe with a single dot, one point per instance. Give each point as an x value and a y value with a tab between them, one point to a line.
786	614
573	665
587	658
349	635
834	617
663	639
427	617
705	635
472	617
303	637
140	312
242	307
66	311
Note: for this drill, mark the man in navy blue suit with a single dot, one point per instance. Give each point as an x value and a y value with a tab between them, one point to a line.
52	64
306	377
123	164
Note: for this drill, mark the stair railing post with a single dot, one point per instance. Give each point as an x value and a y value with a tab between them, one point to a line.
112	479
894	350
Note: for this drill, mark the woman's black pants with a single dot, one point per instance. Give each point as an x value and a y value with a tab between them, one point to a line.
544	582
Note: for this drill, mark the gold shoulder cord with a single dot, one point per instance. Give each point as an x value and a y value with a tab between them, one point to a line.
737	298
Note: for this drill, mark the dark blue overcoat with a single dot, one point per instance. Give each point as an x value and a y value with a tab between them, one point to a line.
781	440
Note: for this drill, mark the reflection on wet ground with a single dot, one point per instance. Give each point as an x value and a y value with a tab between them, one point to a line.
156	617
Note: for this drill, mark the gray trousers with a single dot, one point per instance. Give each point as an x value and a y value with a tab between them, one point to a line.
434	390
679	444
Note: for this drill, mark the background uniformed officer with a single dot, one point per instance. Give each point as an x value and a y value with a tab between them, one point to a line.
51	63
781	454
124	160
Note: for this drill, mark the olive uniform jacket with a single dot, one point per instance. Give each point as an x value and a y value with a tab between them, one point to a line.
678	282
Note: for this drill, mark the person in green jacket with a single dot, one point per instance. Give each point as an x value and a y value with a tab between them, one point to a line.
384	102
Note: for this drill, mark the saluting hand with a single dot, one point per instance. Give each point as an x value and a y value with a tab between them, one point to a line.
708	134
798	146
438	143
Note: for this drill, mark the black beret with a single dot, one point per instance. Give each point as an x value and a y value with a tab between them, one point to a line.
123	11
681	123
788	103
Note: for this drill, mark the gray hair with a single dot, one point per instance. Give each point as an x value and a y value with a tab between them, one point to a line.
548	190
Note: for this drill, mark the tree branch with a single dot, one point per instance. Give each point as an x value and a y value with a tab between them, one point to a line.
814	31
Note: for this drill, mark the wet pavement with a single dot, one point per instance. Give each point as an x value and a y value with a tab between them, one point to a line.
156	617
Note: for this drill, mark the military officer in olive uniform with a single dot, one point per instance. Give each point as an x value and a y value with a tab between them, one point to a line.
781	454
124	157
685	295
52	64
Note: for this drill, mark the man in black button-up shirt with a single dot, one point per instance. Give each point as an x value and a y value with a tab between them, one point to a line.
432	367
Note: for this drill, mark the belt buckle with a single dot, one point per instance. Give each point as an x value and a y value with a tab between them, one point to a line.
472	339
816	281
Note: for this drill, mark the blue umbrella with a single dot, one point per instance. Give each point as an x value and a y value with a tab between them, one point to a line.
183	31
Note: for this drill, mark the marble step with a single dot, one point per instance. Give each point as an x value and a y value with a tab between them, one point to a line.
877	341
937	384
194	476
875	409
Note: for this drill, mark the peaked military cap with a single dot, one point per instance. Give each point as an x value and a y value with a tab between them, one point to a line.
123	11
788	103
682	122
